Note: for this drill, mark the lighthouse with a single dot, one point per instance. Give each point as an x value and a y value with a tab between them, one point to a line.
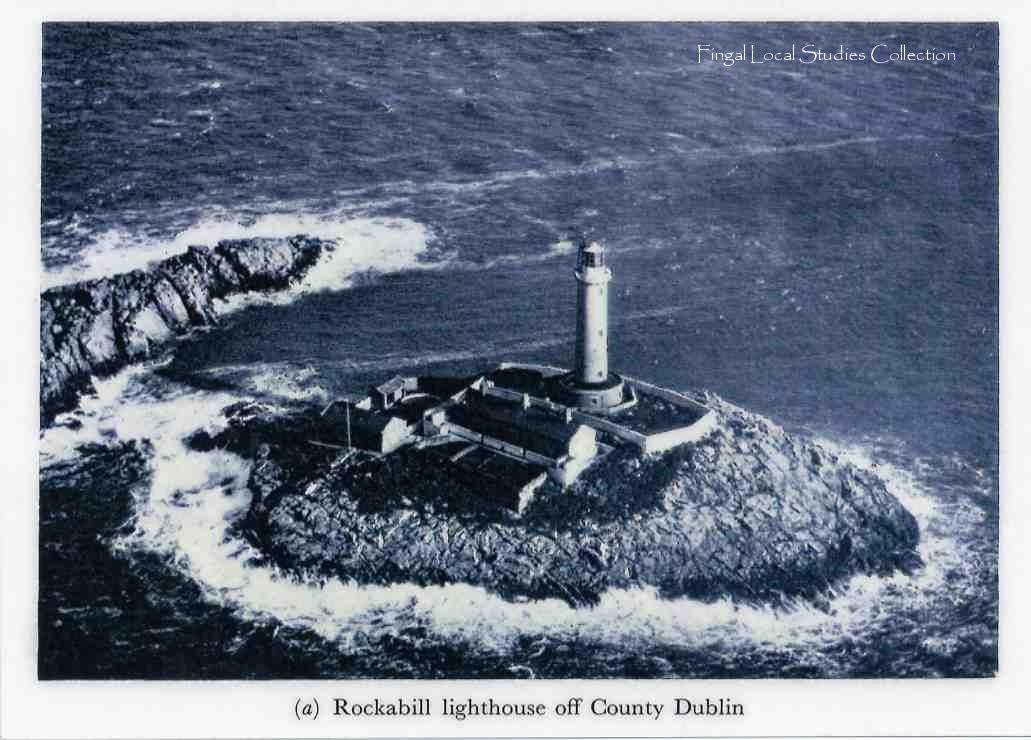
590	385
592	315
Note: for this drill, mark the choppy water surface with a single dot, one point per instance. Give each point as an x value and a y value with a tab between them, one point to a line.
814	242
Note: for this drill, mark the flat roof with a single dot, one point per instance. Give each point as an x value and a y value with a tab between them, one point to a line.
533	428
521	380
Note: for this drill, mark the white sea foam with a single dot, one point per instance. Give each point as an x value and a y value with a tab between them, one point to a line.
194	497
363	246
133	404
285	381
382	244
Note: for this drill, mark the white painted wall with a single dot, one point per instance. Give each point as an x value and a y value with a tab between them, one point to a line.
592	324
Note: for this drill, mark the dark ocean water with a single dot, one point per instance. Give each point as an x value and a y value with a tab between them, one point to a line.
818	243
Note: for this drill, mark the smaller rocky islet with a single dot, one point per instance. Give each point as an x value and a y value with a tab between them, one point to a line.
96	327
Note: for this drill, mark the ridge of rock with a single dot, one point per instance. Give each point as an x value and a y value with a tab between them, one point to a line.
96	327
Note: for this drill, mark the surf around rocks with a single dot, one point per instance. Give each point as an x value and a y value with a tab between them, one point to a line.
97	327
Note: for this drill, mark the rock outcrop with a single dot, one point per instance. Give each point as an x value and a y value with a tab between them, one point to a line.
750	512
96	327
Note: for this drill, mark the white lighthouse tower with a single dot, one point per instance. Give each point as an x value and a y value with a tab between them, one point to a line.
590	385
592	315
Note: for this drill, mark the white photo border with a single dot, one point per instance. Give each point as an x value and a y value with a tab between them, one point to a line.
257	709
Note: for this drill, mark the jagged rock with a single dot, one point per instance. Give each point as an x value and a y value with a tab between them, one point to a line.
744	513
96	327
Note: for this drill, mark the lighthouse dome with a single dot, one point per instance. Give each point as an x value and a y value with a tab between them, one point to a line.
592	254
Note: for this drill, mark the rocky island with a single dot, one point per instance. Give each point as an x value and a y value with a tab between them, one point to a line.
527	480
749	512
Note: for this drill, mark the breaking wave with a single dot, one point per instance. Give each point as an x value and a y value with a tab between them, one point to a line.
187	512
363	247
382	244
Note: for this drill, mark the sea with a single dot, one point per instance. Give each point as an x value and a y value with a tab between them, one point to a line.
815	242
